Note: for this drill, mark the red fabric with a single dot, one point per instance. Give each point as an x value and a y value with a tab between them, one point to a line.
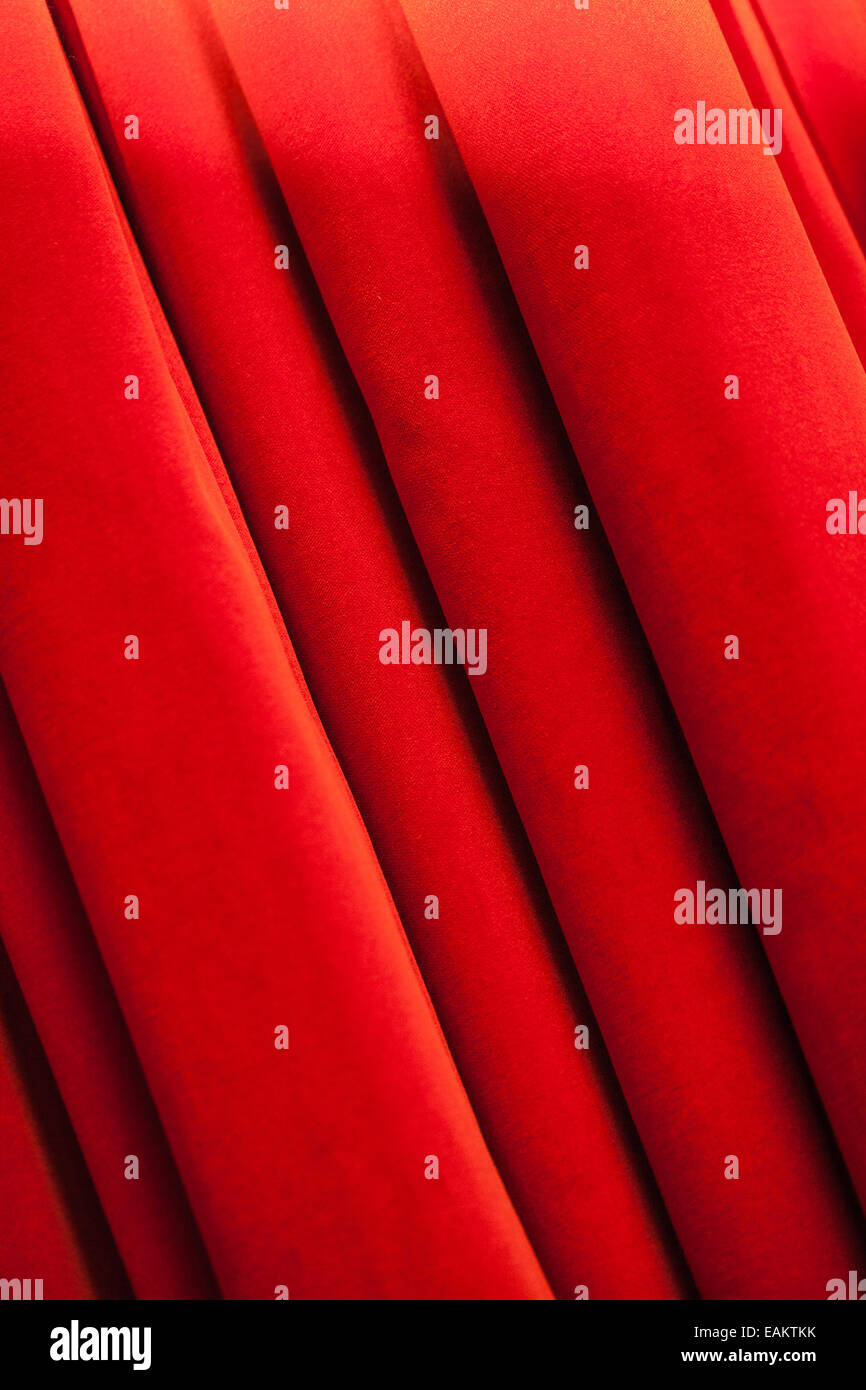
822	50
70	999
766	75
40	1207
416	1036
776	737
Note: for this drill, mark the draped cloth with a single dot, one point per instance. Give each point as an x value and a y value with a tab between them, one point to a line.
330	976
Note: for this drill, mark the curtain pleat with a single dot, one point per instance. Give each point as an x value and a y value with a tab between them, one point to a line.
413	749
822	50
203	723
70	999
801	162
718	529
363	980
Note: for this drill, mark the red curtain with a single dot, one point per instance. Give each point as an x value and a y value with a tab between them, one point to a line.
325	976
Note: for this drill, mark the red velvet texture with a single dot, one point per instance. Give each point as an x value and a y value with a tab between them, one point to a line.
431	907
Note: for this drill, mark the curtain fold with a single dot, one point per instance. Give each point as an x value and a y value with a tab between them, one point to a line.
196	732
70	1000
412	746
822	50
485	482
802	162
54	1234
721	528
359	975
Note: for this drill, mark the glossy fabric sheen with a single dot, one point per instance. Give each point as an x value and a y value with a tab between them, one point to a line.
421	1039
